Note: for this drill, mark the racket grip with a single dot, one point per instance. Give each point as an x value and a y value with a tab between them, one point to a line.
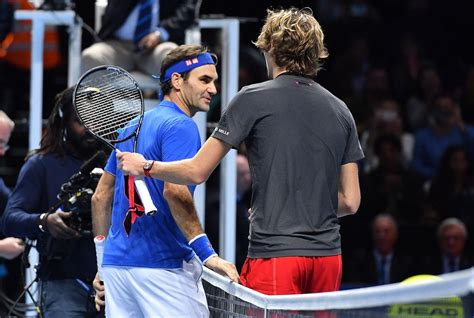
99	242
144	194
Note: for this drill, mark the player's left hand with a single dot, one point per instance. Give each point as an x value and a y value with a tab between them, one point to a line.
99	292
130	163
223	267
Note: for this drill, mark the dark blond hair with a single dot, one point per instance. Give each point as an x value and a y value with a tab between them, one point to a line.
295	40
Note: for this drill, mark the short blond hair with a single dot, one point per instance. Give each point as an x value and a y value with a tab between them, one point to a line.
5	119
295	40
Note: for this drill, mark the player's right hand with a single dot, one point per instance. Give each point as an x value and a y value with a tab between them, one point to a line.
99	292
223	267
58	228
130	163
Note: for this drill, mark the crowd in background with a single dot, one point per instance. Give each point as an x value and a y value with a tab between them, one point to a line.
406	72
410	86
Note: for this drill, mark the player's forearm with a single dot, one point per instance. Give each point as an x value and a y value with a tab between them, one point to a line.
346	205
189	171
179	172
101	204
349	190
101	212
183	210
195	170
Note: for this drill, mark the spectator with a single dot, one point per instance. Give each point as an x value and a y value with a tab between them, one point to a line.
391	187
384	264
452	235
137	34
10	247
6	128
350	70
386	119
406	66
429	85
446	129
376	89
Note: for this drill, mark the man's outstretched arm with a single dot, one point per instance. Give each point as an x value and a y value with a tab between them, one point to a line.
189	171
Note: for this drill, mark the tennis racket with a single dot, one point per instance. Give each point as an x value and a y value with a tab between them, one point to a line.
109	104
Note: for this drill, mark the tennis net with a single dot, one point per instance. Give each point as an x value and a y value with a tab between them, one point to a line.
450	295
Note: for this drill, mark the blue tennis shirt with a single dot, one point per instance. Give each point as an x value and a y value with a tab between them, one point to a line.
167	134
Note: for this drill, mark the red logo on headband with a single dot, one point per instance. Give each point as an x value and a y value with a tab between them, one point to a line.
191	61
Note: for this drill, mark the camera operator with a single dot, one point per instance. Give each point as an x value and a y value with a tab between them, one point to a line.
67	257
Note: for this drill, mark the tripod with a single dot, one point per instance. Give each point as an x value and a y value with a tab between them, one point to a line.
18	308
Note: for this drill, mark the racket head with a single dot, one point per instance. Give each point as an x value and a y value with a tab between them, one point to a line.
109	104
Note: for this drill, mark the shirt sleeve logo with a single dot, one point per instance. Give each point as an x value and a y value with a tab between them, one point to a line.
222	131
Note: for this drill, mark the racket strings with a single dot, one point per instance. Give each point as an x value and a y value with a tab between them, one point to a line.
121	101
106	123
114	96
108	103
110	121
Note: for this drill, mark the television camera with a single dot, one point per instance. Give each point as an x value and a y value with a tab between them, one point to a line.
75	195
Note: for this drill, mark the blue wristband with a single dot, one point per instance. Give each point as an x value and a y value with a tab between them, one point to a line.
202	247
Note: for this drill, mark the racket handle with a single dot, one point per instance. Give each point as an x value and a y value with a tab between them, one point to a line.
99	242
144	194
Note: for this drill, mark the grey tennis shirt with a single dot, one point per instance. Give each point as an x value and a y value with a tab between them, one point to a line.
297	136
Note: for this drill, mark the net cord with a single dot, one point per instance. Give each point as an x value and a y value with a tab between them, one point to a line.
459	283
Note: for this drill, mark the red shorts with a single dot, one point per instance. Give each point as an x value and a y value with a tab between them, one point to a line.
292	275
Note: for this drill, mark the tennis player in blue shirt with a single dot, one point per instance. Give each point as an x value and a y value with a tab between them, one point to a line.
152	264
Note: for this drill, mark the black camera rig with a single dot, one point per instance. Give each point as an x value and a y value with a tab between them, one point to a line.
75	195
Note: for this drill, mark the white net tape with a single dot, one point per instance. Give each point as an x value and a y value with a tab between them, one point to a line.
237	296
